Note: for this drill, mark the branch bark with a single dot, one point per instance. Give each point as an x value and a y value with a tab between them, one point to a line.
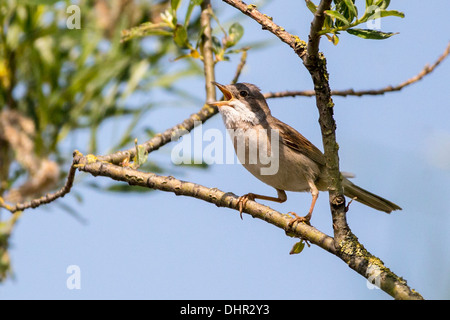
213	195
207	50
317	67
351	251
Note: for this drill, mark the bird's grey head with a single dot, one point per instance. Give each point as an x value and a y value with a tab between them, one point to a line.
243	102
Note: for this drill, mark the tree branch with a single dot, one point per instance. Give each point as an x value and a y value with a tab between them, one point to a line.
346	244
266	23
427	69
351	251
317	67
212	195
44	199
240	67
314	36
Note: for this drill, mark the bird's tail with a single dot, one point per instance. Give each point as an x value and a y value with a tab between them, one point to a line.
369	199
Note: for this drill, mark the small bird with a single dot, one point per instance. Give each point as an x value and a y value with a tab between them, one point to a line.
301	165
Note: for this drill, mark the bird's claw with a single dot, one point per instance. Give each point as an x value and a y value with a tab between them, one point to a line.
242	201
306	219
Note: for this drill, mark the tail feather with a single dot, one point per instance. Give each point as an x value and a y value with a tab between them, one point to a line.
369	199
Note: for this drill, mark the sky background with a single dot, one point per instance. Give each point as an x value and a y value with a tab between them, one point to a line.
159	246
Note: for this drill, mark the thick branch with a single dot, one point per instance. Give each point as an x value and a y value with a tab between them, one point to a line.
317	67
213	195
350	250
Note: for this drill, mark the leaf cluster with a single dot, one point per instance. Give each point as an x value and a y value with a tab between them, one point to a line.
187	35
70	82
344	16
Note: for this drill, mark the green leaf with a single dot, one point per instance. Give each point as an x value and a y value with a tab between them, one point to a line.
141	155
383	4
180	36
334	39
311	6
370	34
351	8
388	13
216	45
145	29
298	247
369	3
138	72
175	4
235	34
191	6
337	15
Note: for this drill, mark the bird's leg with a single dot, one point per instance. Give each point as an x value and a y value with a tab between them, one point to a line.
307	218
252	196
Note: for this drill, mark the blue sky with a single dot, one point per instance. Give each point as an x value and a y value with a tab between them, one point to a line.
159	246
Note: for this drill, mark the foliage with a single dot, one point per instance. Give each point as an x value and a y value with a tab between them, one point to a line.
68	80
344	17
57	82
186	34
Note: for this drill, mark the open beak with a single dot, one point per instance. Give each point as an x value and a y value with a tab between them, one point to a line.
227	95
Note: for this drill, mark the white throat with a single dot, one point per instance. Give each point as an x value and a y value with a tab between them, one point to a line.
236	114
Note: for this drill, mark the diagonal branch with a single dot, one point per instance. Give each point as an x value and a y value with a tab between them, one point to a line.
427	69
266	23
190	189
352	253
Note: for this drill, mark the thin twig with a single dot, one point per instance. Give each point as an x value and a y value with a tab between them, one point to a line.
427	69
240	67
267	23
44	199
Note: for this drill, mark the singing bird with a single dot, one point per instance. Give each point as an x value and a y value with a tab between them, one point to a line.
301	165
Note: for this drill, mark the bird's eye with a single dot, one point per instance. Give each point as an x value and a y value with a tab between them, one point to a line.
243	94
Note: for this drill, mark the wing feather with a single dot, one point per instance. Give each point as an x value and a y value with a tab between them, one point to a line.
297	142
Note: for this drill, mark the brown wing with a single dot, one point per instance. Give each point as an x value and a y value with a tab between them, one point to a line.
294	140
